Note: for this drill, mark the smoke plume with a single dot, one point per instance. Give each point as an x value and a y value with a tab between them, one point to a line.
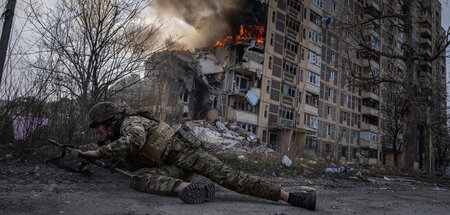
212	19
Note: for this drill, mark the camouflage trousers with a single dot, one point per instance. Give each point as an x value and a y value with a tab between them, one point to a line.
183	161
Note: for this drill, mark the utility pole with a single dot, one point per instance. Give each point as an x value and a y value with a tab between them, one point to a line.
4	40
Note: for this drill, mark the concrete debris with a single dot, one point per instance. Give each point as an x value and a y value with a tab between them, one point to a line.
234	126
221	127
252	138
447	171
387	179
253	56
241	157
311	162
439	189
226	137
286	161
345	168
359	174
208	64
334	170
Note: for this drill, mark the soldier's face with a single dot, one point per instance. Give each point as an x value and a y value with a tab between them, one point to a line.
102	131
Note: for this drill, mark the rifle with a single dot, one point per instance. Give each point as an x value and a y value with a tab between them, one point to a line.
89	159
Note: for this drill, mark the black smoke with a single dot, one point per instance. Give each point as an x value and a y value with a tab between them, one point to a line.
214	19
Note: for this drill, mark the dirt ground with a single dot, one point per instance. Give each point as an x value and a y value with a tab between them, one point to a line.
38	188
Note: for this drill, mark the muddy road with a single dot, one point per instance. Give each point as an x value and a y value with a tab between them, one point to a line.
37	188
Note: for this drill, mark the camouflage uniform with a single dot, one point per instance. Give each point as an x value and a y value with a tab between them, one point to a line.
177	162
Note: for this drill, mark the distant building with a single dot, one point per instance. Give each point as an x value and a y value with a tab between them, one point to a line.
284	76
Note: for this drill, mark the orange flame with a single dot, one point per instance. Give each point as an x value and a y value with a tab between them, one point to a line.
246	33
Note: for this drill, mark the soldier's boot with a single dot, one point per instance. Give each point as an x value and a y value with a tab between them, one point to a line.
303	199
197	193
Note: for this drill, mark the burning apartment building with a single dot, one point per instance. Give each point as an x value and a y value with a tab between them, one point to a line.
232	72
267	75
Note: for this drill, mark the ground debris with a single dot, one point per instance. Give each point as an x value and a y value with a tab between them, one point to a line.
226	137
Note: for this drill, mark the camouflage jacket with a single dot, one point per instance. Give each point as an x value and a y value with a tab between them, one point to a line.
133	132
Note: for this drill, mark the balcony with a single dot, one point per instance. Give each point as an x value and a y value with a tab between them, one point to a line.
426	41
367	144
312	88
242	116
369	111
425	27
293	12
369	127
367	63
292	34
425	50
287	100
286	123
288	77
369	94
389	147
290	55
371	31
252	66
311	109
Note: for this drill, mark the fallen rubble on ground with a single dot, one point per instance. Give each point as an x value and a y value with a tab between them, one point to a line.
226	137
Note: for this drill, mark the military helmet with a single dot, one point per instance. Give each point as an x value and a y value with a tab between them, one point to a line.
102	112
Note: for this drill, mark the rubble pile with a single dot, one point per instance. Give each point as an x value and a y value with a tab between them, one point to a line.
226	137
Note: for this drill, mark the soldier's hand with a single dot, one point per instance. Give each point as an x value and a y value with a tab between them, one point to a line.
91	154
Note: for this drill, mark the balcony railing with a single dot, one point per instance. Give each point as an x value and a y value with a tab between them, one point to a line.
367	144
369	127
290	54
369	94
369	111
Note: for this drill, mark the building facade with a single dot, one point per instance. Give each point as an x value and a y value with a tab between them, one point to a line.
309	99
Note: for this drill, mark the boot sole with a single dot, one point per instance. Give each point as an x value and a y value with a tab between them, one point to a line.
197	193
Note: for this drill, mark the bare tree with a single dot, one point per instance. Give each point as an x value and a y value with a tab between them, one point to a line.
394	108
22	95
86	46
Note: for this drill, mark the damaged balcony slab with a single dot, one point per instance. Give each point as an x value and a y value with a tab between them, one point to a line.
208	64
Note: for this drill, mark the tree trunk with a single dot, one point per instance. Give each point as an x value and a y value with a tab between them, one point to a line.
394	148
412	116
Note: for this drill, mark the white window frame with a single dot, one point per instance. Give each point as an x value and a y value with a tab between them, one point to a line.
314	58
345	99
318	3
329	128
237	79
266	111
331	93
184	96
315	38
313	78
